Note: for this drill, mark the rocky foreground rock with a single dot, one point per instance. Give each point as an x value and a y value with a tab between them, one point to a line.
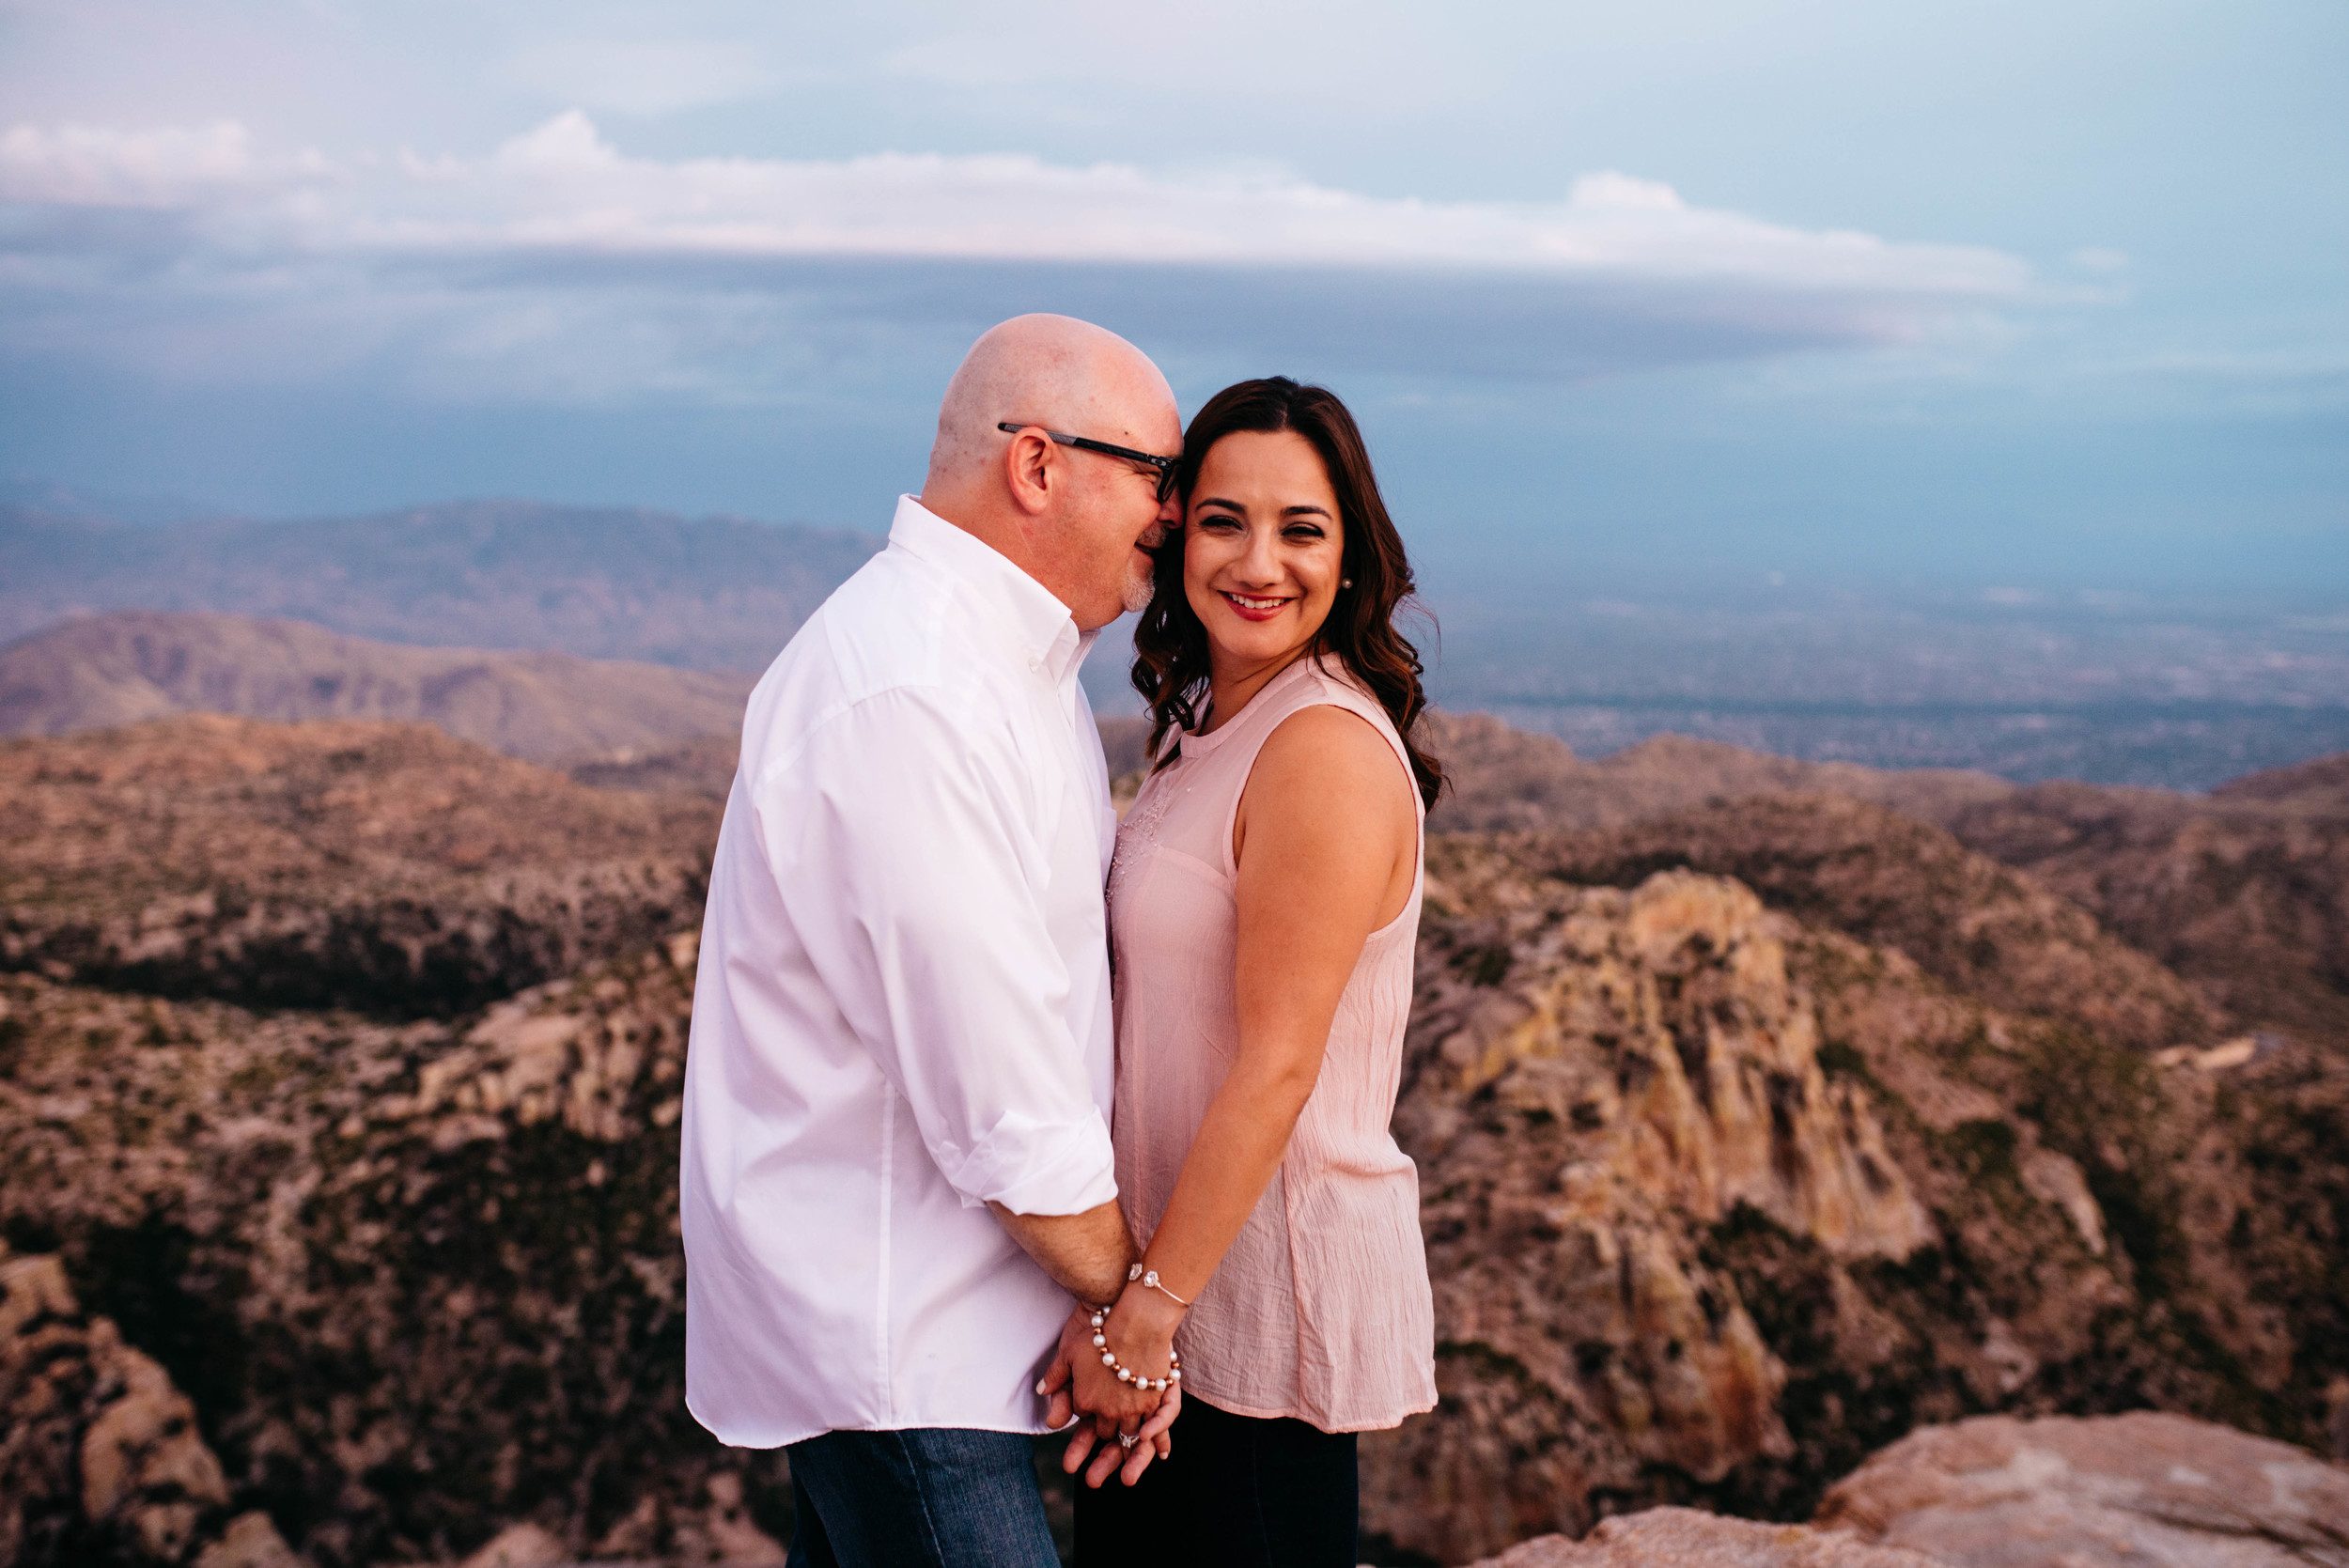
2115	1492
2143	1490
1683	1538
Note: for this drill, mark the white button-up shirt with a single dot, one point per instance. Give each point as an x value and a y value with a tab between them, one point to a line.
903	1009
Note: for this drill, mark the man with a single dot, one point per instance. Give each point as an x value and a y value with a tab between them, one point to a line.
896	1156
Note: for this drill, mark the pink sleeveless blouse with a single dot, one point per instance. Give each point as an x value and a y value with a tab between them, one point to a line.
1321	1310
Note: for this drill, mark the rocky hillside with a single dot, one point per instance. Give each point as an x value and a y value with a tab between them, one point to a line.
105	671
2244	892
597	582
338	1134
419	1281
385	866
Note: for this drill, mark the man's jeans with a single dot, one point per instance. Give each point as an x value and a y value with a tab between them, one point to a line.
929	1496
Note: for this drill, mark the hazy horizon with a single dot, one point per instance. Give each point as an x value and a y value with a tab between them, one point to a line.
2108	683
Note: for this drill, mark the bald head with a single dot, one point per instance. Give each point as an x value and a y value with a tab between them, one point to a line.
1080	522
1051	370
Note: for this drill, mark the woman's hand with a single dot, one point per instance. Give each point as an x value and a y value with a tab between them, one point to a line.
1140	1331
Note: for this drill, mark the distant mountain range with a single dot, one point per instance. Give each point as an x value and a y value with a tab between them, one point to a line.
2178	697
600	582
103	671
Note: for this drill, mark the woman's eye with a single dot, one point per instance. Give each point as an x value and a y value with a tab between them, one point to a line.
1218	523
1303	531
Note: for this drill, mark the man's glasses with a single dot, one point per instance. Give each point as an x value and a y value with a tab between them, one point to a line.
1164	465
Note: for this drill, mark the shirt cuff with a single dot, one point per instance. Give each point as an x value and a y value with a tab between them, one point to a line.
1044	1168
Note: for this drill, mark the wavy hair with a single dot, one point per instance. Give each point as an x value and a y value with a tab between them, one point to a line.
1170	668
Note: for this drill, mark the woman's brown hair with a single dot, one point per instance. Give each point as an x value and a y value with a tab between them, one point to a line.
1170	646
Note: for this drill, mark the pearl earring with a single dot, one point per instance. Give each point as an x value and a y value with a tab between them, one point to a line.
1346	582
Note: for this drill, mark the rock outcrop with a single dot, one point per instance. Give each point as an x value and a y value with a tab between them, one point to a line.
382	866
2243	892
1972	924
1718	1203
2113	1492
101	1458
1598	1078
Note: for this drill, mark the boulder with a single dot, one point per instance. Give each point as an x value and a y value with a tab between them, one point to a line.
2143	1490
1683	1538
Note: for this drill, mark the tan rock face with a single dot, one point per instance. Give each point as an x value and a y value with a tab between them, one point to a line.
1717	1203
1596	1077
2106	1492
142	1458
523	1546
1893	883
1681	1538
100	1456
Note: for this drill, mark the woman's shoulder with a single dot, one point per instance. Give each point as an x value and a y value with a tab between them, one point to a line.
1330	748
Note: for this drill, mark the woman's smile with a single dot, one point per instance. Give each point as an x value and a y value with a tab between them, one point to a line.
1252	608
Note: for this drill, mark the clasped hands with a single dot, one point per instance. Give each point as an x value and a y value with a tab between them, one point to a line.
1083	1391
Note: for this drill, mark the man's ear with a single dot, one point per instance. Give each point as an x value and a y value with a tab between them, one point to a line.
1031	472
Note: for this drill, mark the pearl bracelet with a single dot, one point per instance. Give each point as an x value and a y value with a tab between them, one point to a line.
1125	1374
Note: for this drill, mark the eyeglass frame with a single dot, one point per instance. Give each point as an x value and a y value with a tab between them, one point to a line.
1166	466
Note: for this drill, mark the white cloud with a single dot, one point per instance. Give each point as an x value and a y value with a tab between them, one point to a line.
82	165
558	226
563	186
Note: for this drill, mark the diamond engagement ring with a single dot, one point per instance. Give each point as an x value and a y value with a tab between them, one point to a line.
1127	1440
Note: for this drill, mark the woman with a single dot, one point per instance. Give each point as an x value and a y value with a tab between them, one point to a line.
1263	906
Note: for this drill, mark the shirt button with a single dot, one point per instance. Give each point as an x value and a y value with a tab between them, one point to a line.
1035	663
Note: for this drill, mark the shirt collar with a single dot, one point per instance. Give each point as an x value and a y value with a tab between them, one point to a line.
1039	625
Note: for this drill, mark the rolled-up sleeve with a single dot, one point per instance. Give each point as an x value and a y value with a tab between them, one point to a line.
902	840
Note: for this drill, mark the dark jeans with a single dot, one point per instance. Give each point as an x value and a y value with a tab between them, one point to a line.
1236	1493
929	1496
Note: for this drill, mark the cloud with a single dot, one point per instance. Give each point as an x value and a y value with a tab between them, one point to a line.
79	165
557	250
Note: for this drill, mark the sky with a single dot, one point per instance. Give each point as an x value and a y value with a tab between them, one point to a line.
1794	290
